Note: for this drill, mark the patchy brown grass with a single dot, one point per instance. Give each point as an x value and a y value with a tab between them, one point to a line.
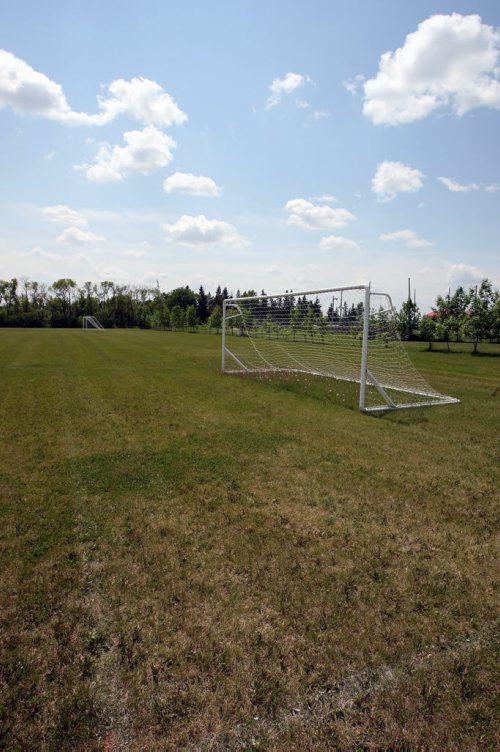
200	562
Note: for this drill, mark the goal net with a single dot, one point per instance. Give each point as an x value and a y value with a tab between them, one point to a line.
346	333
90	322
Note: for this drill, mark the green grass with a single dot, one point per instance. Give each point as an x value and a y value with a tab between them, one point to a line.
197	561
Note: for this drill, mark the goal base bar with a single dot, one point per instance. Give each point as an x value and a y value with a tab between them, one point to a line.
388	408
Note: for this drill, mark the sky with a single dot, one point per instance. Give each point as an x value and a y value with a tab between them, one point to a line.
257	145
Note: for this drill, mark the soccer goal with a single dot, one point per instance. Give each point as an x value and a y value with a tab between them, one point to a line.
90	322
346	333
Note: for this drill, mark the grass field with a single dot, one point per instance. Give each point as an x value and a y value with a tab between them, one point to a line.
205	562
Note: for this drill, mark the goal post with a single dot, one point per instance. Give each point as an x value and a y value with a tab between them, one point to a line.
347	333
90	322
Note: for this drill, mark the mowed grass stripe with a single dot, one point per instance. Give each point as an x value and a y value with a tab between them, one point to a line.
213	549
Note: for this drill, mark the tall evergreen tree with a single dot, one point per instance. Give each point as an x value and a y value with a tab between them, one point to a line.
202	305
218	297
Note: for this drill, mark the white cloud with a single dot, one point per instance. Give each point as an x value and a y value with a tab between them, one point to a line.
194	185
64	215
75	236
450	60
103	215
32	94
352	84
325	199
200	231
142	99
50	155
338	243
308	275
41	253
410	238
455	187
464	275
145	152
301	104
313	217
319	115
392	178
114	273
272	269
29	92
284	86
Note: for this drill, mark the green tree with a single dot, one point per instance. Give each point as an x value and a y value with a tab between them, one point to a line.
63	289
457	307
215	319
296	320
191	318
182	296
160	318
452	313
479	322
427	330
177	317
495	318
408	319
202	305
309	323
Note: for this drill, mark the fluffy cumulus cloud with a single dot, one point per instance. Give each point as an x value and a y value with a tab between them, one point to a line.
451	60
282	86
194	185
392	178
64	215
76	236
141	99
31	93
316	217
198	231
338	243
144	153
408	237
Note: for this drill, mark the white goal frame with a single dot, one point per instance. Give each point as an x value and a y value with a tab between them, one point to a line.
90	322
232	309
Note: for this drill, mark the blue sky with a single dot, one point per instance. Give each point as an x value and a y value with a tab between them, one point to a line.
277	145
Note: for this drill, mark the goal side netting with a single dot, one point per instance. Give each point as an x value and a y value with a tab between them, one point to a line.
346	333
90	322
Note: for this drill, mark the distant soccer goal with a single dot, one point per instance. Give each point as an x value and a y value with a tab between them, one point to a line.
346	333
90	322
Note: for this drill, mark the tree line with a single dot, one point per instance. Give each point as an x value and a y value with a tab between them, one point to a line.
27	303
472	314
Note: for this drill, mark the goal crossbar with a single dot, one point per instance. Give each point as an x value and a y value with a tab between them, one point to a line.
348	333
